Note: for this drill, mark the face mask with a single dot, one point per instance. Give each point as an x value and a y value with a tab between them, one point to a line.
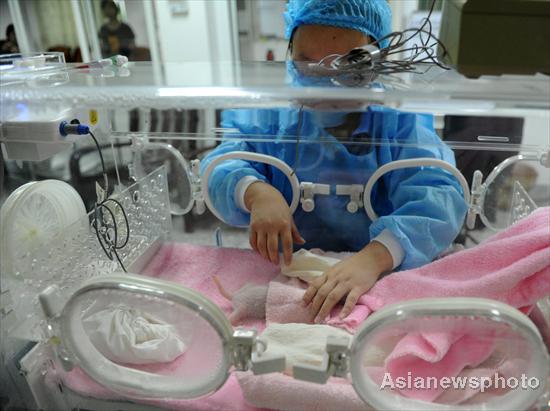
324	113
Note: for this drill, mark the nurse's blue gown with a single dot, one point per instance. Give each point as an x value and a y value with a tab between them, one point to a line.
423	207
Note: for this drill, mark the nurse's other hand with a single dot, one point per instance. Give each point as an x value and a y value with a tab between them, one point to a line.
351	277
270	222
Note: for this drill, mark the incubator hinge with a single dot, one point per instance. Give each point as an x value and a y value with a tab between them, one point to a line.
355	191
307	193
196	187
248	356
476	199
335	363
52	304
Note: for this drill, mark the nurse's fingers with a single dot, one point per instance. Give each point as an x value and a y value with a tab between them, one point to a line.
321	296
273	247
351	300
262	245
332	299
312	289
296	237
286	242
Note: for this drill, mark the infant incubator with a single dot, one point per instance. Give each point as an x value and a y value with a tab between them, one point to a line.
107	305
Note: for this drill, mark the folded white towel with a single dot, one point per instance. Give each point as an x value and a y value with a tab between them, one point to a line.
300	343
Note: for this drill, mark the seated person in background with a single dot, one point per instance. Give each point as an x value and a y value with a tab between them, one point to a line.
9	45
116	37
421	209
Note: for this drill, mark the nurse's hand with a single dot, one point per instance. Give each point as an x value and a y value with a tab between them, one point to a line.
270	222
351	277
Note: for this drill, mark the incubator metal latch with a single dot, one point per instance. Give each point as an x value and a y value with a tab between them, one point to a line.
196	187
335	363
307	193
355	191
247	356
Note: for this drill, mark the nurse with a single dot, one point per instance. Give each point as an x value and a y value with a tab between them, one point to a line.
421	209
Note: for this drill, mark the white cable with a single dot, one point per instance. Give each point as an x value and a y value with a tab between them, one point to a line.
259	158
415	162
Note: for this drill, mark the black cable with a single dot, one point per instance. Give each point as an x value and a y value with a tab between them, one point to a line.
362	65
102	227
110	245
120	262
105	178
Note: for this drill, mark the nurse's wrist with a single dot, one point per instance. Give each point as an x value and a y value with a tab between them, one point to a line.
392	244
240	190
379	257
257	190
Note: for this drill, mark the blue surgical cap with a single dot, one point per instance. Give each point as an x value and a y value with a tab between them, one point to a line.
371	17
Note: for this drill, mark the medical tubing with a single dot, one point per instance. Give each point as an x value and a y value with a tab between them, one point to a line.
416	162
260	158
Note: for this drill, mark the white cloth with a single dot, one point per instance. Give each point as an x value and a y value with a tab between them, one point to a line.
131	336
300	343
306	265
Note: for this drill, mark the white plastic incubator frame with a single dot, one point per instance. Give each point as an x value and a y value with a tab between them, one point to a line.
303	193
242	350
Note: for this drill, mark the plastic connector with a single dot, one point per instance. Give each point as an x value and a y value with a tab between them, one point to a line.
66	129
266	363
355	191
317	374
51	301
309	191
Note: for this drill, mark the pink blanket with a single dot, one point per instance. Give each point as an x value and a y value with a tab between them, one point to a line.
193	266
513	267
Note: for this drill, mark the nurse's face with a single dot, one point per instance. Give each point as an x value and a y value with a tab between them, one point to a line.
313	42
